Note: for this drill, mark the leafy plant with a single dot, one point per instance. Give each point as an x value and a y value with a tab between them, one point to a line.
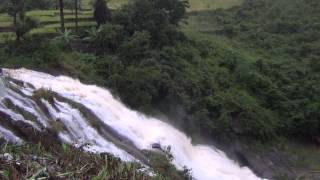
92	34
103	174
65	38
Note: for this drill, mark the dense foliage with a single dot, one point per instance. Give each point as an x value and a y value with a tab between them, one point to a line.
288	31
204	86
282	27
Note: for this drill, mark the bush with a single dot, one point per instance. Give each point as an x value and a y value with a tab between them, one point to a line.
136	48
159	18
107	39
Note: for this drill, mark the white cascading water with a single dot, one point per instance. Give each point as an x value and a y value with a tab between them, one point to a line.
207	163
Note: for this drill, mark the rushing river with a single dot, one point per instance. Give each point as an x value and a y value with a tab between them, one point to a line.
206	162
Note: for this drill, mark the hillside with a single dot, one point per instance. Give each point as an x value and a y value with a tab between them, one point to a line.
288	43
281	39
234	72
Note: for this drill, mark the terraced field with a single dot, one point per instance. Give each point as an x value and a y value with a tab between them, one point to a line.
200	5
49	20
201	17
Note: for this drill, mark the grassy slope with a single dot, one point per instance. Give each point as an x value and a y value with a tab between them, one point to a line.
199	5
195	5
201	25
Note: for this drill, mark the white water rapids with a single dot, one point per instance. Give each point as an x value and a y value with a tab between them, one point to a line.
207	163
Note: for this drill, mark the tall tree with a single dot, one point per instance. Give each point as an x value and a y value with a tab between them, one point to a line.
21	23
102	13
76	5
23	26
61	6
15	8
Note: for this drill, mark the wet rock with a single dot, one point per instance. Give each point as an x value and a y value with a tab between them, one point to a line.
156	146
6	157
23	130
266	165
254	162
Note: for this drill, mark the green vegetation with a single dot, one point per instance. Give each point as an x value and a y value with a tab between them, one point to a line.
250	71
161	163
47	15
21	24
222	84
30	161
64	162
289	37
200	5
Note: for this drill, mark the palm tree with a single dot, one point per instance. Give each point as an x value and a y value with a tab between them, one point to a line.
66	37
23	26
92	34
21	23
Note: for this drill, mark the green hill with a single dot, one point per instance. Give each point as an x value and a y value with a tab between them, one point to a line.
282	39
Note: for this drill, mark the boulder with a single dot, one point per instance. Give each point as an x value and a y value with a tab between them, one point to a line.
156	146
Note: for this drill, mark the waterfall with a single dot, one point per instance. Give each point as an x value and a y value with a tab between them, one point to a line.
2	88
104	114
